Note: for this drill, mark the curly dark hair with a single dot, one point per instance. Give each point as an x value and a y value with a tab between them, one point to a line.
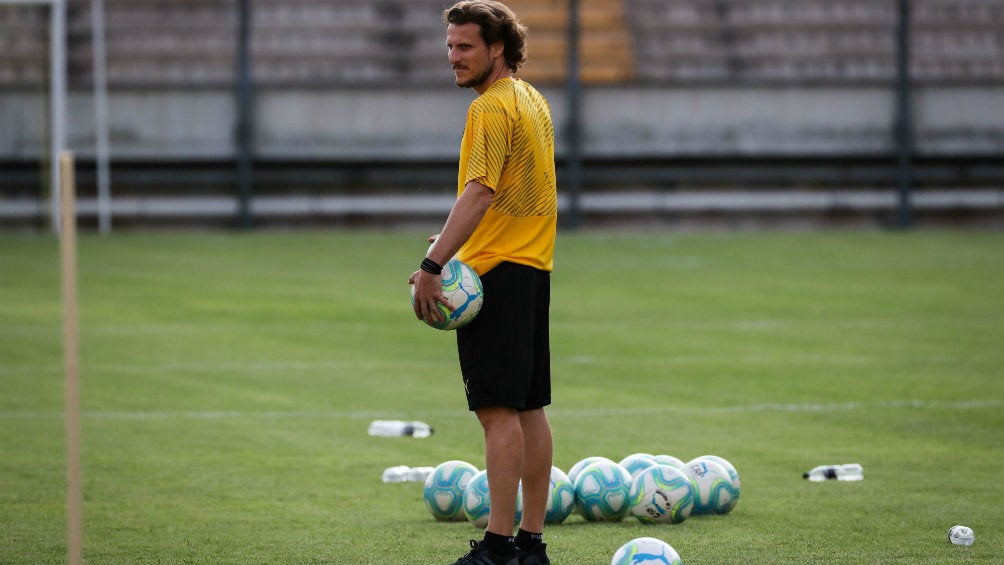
497	22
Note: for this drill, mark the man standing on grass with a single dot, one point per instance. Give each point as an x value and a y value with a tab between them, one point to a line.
503	225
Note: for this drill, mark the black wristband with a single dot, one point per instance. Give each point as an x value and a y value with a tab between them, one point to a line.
430	266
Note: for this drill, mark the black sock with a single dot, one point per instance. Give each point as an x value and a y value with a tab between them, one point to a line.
528	541
503	545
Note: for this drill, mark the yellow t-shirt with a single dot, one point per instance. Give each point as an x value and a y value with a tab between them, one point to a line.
508	146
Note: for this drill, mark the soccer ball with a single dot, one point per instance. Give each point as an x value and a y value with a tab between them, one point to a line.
661	494
582	464
602	492
477	503
560	499
733	474
669	460
646	550
444	490
637	462
462	289
714	491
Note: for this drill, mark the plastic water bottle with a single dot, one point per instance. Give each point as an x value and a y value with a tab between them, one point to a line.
398	474
399	428
406	474
846	472
850	472
419	474
821	473
961	535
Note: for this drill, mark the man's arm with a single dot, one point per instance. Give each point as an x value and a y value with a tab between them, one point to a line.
464	218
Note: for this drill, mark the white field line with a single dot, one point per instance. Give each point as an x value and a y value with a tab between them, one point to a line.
358	415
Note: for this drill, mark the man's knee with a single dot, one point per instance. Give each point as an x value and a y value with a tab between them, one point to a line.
496	417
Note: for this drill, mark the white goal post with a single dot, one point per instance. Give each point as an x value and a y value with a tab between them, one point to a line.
57	104
57	94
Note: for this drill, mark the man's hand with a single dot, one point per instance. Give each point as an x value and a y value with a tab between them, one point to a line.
428	292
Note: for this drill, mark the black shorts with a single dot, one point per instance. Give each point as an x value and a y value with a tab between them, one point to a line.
505	356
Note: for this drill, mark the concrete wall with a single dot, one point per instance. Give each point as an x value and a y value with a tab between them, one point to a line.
426	123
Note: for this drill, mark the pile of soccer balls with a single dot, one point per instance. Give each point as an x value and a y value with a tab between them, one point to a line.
652	488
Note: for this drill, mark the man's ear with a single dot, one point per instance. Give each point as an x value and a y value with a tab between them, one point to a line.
496	49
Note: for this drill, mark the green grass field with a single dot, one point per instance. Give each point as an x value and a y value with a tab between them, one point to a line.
228	381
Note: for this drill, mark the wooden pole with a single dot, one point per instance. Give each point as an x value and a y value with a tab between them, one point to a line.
71	355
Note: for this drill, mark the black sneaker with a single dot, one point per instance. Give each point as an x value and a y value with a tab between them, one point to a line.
536	557
481	555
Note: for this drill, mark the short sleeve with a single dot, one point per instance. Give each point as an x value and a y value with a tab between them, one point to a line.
490	135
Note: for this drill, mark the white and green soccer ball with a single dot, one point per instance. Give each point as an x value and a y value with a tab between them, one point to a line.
477	501
602	492
574	471
646	551
669	460
637	462
444	490
462	289
662	495
714	491
733	473
560	498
